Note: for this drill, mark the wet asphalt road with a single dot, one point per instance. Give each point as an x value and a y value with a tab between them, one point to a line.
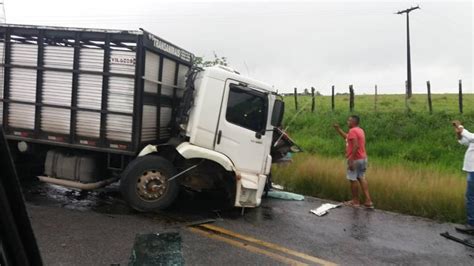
98	228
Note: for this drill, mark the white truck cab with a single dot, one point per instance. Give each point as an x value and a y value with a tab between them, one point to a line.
231	121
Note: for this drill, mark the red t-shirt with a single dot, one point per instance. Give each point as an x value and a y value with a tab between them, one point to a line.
356	133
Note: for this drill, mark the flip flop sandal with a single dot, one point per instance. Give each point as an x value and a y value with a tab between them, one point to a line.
465	230
370	206
350	204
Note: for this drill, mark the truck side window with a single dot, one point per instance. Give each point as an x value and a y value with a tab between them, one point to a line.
247	109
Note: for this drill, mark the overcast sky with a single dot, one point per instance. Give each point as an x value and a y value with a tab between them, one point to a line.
294	43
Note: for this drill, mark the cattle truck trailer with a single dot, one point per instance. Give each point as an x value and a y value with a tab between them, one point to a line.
100	106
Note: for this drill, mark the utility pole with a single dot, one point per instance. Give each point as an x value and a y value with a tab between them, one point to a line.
3	16
407	11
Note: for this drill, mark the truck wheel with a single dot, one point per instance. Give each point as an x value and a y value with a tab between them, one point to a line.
268	185
144	183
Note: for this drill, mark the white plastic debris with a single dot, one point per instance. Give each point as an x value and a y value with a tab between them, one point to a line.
276	194
147	150
278	187
323	209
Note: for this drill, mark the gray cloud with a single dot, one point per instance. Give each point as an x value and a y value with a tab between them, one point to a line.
288	44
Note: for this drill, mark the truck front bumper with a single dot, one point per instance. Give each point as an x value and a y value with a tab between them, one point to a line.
249	190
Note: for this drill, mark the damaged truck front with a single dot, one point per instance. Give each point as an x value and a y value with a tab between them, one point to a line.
99	106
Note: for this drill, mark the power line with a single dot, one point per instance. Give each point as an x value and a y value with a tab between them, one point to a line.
407	11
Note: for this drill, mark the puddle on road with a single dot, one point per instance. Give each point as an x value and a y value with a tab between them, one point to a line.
106	200
189	207
267	213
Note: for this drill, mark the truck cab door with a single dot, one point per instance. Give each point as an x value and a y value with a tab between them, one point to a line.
241	132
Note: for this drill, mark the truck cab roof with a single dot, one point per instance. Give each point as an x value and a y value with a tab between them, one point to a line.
223	73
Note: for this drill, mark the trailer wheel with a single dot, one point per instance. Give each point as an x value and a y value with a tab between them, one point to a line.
144	183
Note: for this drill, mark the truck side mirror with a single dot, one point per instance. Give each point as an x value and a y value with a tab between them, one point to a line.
277	114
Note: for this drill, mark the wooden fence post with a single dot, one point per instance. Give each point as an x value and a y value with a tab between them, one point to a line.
460	96
296	99
351	98
332	99
313	103
375	99
430	105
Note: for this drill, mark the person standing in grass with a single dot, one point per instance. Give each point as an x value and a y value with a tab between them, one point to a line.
356	161
467	138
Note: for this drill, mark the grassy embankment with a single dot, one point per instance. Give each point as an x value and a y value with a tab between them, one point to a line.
414	159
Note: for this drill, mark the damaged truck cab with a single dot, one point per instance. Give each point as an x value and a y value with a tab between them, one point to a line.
231	123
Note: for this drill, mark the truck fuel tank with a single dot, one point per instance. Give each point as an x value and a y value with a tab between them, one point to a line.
81	168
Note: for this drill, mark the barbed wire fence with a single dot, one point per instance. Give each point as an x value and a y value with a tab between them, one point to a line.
351	93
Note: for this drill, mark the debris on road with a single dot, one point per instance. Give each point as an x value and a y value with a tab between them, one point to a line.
199	222
465	229
157	249
323	209
459	240
284	195
277	187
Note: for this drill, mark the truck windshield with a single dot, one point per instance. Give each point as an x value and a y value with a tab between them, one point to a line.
247	109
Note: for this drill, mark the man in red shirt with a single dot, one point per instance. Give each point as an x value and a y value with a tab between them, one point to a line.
356	161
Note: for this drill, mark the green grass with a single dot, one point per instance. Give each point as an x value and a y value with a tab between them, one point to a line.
388	103
415	138
415	160
420	192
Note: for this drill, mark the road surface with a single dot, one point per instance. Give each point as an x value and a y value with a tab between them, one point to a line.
98	228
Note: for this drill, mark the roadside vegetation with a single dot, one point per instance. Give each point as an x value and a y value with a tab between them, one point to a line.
414	160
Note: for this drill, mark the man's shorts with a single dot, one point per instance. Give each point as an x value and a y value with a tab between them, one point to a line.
360	166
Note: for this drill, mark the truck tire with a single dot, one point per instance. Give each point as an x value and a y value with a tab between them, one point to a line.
144	183
268	185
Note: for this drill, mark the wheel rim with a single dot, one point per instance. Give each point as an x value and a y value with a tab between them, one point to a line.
151	185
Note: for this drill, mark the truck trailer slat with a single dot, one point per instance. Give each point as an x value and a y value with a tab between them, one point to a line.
96	78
